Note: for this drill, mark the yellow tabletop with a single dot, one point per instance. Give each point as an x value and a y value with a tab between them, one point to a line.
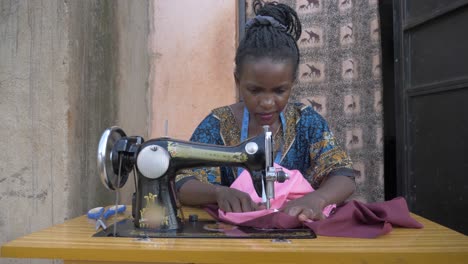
72	241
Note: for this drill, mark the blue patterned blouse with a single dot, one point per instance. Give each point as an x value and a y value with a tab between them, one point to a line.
308	146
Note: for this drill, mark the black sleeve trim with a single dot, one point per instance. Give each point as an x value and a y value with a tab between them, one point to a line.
182	181
344	172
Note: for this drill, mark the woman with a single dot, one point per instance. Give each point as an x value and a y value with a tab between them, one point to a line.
267	62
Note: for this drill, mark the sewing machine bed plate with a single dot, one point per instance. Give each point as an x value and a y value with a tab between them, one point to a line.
205	229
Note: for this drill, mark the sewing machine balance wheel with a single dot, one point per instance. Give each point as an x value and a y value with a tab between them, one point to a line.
107	158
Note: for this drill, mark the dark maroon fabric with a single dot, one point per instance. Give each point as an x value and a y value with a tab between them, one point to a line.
353	219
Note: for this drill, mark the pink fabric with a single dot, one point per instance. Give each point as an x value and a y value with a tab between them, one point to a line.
296	187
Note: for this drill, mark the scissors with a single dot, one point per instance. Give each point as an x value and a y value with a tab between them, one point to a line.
100	214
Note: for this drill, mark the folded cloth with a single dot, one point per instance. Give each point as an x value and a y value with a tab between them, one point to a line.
357	219
295	187
353	219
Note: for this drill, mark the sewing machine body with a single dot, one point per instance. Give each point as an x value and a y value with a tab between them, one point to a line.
157	162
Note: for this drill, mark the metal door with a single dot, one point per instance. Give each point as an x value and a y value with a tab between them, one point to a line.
431	78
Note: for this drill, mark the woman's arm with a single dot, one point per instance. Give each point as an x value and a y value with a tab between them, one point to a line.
330	172
336	189
194	192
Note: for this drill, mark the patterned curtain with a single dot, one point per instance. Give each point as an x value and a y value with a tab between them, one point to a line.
340	76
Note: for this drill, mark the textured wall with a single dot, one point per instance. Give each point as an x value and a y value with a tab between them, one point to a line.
33	128
92	96
193	47
68	70
134	94
340	76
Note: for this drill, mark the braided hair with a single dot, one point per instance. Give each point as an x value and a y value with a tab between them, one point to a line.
271	34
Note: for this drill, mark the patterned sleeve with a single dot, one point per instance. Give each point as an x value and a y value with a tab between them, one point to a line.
326	156
207	132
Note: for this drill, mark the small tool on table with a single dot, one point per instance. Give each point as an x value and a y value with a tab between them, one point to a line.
100	214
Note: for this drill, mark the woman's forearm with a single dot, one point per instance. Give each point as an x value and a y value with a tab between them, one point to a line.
335	189
194	192
228	199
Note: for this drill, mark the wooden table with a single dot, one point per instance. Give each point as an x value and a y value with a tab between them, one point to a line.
73	242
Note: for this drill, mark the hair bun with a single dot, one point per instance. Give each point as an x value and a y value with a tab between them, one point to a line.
284	14
264	20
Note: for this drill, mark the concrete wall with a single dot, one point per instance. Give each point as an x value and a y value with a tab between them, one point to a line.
193	47
68	70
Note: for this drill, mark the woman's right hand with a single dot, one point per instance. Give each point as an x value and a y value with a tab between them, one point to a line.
232	200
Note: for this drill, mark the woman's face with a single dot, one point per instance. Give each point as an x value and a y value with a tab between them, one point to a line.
265	85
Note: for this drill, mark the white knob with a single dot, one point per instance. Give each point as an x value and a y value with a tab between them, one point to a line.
153	161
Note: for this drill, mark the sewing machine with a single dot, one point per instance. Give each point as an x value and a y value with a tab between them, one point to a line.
157	161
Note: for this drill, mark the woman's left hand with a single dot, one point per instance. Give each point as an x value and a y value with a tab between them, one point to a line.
308	207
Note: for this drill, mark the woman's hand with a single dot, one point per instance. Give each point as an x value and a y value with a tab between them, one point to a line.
333	190
308	207
232	200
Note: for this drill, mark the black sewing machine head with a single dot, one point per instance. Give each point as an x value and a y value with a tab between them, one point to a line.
157	161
